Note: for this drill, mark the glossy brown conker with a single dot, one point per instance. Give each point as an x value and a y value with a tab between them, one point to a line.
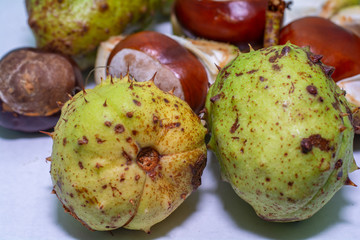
147	54
240	22
339	47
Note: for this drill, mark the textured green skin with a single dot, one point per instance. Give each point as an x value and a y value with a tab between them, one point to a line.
76	27
260	153
95	180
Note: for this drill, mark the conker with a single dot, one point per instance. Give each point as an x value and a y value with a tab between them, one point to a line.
12	120
149	54
240	22
339	47
33	84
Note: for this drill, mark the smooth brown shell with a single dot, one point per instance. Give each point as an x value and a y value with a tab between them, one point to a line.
34	82
33	86
186	67
340	48
240	22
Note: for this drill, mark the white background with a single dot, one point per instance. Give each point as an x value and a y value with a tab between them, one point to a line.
28	210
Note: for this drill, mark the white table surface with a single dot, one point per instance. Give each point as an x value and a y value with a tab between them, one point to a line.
28	210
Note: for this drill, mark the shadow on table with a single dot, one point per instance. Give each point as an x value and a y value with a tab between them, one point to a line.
246	219
77	231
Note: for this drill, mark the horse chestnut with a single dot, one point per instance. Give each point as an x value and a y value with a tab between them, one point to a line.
340	48
12	120
239	22
148	54
33	84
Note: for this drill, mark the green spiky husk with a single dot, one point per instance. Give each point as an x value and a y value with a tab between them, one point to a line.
77	27
261	111
97	141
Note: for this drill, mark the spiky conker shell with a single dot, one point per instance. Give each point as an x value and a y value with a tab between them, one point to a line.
98	167
281	130
76	27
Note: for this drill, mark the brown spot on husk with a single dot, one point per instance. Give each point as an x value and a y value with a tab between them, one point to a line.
252	71
285	51
129	114
197	170
99	140
119	128
83	141
314	141
235	126
103	6
127	157
338	164
173	125
312	90
137	103
216	97
276	67
155	119
80	165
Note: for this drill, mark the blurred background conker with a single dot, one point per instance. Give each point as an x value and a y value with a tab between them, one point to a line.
339	47
239	22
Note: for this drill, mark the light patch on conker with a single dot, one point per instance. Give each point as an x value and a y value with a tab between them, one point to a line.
143	67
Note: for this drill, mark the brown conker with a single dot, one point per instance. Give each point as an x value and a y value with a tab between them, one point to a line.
33	84
339	47
147	54
240	22
14	121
